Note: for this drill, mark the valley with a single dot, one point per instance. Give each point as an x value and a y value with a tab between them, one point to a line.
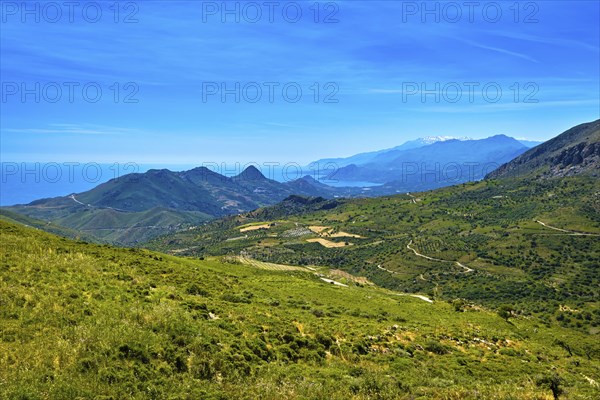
482	289
458	242
518	240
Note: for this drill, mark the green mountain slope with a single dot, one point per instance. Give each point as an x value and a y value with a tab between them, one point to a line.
131	228
14	217
106	225
88	321
575	151
531	243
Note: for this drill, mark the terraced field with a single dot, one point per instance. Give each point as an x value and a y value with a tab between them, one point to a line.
269	266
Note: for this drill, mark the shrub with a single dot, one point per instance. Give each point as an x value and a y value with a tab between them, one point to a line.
436	347
196	290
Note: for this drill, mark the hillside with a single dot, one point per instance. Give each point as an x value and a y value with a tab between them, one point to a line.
575	151
10	216
136	207
87	321
533	244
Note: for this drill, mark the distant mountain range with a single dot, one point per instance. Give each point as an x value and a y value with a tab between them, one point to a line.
365	158
575	151
136	207
421	166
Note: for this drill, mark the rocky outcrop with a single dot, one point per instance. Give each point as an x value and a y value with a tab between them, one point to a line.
574	152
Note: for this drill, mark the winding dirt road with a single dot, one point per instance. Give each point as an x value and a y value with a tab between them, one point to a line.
72	197
571	233
467	269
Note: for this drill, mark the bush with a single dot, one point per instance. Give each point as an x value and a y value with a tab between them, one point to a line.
436	347
235	298
196	290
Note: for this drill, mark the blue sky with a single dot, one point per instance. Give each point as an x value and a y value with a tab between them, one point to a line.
369	60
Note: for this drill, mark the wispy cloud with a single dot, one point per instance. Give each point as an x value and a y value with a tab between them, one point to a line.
499	50
554	41
73	129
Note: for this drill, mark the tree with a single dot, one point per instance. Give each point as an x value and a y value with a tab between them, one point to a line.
552	382
590	351
564	345
459	305
505	312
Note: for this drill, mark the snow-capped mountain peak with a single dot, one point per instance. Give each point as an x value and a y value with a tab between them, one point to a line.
434	139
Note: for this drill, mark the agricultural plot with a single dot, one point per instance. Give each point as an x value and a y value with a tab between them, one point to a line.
269	266
327	231
344	234
328	243
296	232
318	229
255	227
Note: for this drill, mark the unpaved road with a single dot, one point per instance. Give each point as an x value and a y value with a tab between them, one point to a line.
467	269
257	264
418	296
572	233
72	197
386	270
333	282
77	201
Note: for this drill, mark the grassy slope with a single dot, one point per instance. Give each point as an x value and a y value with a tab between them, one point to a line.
10	216
106	225
131	228
88	321
488	226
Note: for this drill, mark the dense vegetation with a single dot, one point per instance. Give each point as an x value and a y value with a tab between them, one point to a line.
88	321
491	228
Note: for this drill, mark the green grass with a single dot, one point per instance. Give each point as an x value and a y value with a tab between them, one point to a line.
88	321
10	216
103	225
